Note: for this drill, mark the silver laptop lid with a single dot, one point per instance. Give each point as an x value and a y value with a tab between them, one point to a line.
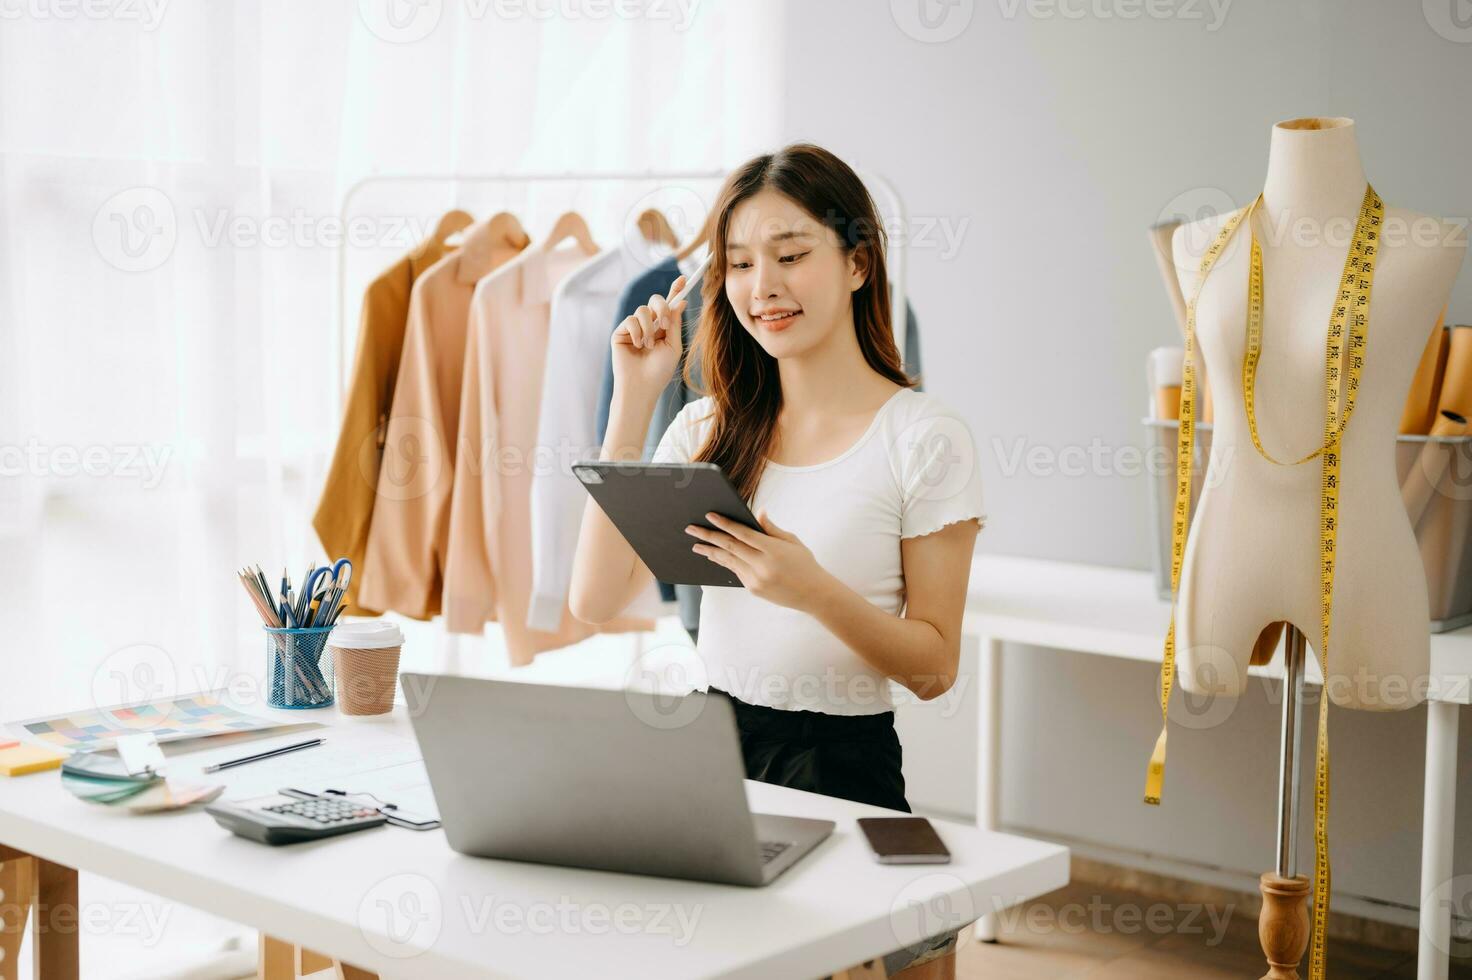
615	780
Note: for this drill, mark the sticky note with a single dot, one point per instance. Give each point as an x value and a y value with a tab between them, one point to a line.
21	759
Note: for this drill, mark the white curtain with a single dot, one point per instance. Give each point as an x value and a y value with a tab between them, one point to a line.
171	173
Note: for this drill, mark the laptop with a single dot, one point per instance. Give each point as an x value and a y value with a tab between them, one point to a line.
605	779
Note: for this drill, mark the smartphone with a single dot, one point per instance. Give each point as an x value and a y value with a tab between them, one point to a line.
904	840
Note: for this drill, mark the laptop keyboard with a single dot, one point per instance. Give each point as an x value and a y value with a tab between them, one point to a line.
771	848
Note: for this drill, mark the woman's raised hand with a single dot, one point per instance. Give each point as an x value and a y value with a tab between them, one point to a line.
647	345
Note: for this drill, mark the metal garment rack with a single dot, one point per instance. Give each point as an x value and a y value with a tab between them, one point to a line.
895	255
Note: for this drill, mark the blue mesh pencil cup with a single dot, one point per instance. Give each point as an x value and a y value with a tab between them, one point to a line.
298	667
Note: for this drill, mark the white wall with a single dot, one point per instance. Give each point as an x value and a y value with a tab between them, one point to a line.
1055	141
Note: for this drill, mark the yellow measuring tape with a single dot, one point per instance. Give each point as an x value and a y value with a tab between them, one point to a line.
1351	309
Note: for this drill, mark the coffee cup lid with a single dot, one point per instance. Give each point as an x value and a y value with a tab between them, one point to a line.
374	634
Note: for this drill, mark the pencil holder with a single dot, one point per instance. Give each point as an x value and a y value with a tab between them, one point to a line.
298	667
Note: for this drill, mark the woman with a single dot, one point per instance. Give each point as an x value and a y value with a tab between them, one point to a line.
866	490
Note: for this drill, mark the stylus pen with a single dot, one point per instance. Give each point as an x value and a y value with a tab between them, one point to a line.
262	755
691	279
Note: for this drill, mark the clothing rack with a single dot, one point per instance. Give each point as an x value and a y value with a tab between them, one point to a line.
895	255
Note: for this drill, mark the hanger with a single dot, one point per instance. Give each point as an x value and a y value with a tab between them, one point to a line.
485	244
570	225
700	239
452	225
655	227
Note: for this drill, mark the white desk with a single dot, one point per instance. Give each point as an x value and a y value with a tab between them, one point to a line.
403	904
1115	612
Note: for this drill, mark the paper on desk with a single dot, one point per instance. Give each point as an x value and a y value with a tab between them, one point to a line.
406	785
336	760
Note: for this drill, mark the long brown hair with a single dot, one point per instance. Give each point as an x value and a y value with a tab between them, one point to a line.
735	371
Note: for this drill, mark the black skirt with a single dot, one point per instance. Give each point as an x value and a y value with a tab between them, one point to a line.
851	757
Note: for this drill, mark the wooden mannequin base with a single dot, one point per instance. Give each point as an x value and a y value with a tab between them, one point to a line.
1282	926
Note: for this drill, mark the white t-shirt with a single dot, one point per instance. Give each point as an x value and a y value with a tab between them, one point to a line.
913	472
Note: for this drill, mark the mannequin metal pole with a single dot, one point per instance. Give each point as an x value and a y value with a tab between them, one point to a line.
1282	926
1288	770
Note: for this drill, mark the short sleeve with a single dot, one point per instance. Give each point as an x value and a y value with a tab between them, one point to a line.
940	474
677	445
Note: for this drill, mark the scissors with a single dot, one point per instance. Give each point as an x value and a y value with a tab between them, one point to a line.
331	594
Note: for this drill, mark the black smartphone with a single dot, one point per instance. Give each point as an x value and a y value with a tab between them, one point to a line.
904	840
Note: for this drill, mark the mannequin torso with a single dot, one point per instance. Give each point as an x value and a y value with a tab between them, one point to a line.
1252	554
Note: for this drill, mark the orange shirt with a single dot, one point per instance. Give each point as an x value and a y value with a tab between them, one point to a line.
345	509
403	563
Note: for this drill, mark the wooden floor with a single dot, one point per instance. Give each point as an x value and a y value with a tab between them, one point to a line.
1083	931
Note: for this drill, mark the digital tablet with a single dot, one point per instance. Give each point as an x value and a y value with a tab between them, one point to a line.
650	504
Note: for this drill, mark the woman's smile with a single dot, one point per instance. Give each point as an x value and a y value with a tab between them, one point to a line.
778	320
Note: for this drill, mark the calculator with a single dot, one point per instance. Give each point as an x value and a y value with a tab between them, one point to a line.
282	819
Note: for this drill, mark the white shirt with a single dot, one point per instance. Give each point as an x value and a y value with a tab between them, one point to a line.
914	471
582	322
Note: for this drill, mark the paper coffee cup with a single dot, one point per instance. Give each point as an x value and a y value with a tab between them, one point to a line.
366	661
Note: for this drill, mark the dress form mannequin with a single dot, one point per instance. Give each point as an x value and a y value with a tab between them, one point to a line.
1252	554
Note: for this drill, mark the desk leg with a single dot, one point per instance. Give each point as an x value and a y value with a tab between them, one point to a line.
988	752
281	960
1433	956
15	905
55	921
277	960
